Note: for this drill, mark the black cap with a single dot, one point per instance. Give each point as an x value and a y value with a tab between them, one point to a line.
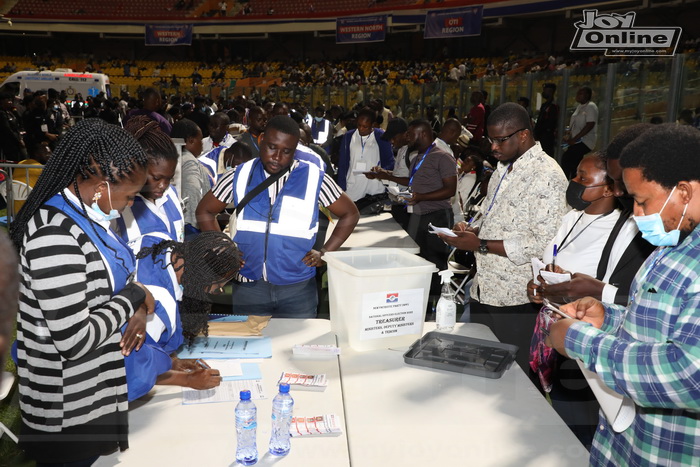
394	127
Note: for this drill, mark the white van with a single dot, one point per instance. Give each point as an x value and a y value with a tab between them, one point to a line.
74	83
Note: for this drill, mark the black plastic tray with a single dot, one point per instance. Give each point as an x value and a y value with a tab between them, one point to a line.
461	354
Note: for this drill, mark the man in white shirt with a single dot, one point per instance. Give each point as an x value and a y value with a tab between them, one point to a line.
583	132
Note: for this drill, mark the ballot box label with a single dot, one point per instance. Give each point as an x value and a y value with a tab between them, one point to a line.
392	313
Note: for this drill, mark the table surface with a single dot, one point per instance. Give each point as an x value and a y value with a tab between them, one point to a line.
378	231
163	431
399	414
394	414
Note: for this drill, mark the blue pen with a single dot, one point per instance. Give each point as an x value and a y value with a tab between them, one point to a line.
554	255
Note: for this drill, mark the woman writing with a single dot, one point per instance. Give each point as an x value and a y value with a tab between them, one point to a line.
180	276
75	294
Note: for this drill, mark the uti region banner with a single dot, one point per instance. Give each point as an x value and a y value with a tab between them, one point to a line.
456	22
360	29
168	34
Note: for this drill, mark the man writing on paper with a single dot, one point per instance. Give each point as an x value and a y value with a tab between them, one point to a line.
521	213
276	229
650	350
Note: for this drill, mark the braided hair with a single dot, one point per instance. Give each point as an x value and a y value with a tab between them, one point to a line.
152	139
91	147
209	258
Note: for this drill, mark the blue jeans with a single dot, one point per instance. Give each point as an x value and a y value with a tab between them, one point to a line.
279	301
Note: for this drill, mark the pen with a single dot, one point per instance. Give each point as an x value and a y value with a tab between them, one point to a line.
554	255
203	364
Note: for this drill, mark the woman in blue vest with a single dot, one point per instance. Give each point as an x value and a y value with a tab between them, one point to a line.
180	276
157	207
76	293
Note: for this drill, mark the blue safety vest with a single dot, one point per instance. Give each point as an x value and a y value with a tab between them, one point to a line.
278	235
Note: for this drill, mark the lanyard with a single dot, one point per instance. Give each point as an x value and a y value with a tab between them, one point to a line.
420	162
563	242
364	141
493	200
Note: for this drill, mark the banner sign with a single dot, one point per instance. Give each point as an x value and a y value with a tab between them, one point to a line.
457	22
169	34
360	29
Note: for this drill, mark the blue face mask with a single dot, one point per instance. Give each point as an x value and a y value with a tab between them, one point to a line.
653	230
318	119
113	213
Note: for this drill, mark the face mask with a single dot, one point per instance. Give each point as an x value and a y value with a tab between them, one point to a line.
574	195
653	230
318	119
113	213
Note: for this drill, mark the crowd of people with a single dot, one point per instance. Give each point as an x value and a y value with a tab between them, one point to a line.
117	264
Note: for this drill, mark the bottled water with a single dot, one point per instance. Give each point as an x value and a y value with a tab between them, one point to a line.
282	410
446	311
246	425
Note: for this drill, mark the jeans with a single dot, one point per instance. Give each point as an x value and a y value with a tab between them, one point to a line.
261	298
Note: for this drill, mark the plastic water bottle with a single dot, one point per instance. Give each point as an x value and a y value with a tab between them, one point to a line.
246	425
282	410
446	311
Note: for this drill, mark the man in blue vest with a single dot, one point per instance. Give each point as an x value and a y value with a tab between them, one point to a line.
276	229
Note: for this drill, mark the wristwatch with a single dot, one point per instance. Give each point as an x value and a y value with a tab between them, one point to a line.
483	247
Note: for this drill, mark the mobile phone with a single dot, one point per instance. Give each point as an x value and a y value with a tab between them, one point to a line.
555	308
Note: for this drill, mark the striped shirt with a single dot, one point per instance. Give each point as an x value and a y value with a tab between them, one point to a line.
70	366
223	191
650	352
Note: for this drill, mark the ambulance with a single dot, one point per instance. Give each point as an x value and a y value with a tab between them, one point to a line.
63	79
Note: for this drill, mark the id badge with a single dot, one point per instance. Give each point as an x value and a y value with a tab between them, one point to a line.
362	166
409	209
45	128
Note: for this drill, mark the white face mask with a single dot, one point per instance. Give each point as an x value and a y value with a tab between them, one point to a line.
113	213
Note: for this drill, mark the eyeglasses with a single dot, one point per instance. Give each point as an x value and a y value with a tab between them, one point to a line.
502	140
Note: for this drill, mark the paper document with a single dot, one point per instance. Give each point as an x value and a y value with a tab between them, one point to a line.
359	172
315	426
228	391
442	230
551	278
234	370
618	409
228	347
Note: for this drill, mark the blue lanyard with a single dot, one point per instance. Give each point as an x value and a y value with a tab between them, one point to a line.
363	142
493	200
417	166
254	139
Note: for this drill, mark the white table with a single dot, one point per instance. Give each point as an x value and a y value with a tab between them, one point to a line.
380	231
162	431
403	415
395	415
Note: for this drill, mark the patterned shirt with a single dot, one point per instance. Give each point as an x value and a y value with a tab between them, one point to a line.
524	208
650	352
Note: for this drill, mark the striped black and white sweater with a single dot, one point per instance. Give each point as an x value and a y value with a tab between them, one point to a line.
70	366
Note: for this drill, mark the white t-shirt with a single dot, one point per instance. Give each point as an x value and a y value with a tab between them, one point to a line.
465	183
582	249
583	114
364	154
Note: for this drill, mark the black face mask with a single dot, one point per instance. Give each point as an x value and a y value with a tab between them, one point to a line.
574	195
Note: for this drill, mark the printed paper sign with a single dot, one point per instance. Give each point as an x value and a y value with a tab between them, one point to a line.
392	313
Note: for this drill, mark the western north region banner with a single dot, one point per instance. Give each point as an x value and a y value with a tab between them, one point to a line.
456	22
168	34
360	29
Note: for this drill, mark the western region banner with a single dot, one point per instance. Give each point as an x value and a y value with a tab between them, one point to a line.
168	34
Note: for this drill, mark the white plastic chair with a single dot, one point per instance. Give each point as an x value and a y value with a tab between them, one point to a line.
460	276
5	385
